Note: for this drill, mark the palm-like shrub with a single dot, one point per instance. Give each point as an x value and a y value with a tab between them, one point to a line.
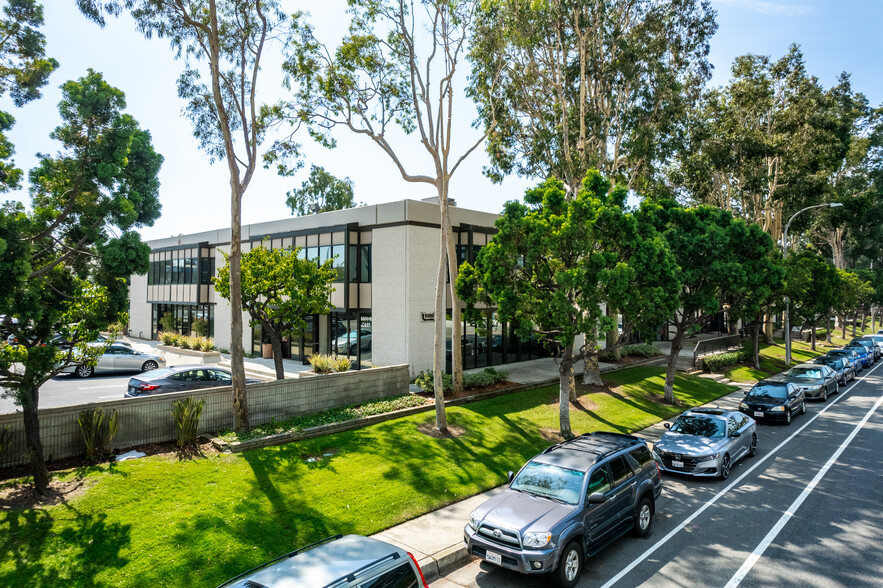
186	413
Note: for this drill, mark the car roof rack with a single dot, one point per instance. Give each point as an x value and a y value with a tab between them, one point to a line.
351	577
709	410
600	447
280	558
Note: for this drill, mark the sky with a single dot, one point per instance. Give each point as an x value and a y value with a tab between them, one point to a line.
835	36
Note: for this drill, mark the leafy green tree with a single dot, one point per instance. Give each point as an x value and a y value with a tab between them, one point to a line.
24	69
395	71
815	288
321	192
280	290
555	259
228	39
65	263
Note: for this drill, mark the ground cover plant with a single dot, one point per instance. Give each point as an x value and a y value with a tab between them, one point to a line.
164	522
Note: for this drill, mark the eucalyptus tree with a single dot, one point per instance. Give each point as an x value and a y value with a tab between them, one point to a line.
553	261
395	73
223	42
321	192
585	84
24	69
65	263
280	289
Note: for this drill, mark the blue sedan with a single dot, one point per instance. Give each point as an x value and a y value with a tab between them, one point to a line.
864	356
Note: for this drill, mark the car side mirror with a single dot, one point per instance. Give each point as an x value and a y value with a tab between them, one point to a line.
666	425
745	392
510	476
735	434
597	498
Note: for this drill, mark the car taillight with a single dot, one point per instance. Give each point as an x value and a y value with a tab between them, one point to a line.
148	387
419	571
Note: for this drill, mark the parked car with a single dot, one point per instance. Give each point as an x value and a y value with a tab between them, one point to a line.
869	344
349	342
180	378
566	504
841	366
118	358
864	354
774	400
467	349
706	442
348	561
62	342
814	380
850	354
878	341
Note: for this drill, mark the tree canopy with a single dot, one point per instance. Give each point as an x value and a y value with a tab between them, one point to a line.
321	192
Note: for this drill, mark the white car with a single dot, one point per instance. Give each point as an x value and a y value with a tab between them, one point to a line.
118	358
349	342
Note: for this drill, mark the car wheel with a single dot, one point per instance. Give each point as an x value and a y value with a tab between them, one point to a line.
788	416
643	517
752	449
84	371
803	407
836	387
824	393
571	565
725	468
149	365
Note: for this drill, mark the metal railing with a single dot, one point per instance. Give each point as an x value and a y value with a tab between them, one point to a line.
716	345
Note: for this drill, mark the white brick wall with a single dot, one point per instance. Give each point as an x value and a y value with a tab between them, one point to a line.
140	313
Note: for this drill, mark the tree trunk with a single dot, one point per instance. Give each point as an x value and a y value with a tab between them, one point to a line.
864	318
32	440
843	325
592	373
237	364
673	364
438	368
768	329
453	270
873	319
854	320
276	338
613	335
756	338
812	335
567	387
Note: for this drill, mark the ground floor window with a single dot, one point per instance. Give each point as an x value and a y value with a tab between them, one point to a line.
490	342
184	317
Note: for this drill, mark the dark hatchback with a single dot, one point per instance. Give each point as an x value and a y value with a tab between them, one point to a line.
181	378
772	400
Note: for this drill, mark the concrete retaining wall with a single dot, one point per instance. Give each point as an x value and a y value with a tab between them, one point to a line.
149	419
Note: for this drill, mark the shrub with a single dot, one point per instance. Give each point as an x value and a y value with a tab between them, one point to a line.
184	342
166	337
206	344
487	377
322	363
186	413
168	323
425	381
342	364
642	349
199	327
98	435
715	363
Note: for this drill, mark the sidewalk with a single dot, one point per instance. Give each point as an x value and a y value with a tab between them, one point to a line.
436	539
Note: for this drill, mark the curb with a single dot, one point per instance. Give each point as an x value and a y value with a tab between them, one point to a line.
445	561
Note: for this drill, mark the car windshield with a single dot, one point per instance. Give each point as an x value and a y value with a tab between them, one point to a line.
699	425
550	481
769	391
828	361
804	373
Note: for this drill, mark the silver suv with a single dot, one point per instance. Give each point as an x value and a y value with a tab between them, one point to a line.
566	504
337	562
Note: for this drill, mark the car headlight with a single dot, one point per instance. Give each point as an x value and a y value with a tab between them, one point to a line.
473	521
536	540
709	456
743	405
777	409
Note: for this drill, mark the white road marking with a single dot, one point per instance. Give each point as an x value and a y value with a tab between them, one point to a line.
638	560
103	387
774	532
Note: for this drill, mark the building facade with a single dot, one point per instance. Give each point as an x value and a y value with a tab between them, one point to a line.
383	302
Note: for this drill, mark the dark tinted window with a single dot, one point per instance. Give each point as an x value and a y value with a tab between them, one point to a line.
620	470
769	391
642	455
399	577
599	481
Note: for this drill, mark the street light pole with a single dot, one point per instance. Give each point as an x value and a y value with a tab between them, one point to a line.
785	256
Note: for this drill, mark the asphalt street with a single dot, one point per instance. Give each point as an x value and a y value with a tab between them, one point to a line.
69	390
806	511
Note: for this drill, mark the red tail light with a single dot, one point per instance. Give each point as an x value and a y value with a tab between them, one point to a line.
148	387
419	571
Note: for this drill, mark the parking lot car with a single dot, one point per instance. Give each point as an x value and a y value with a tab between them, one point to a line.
566	504
850	354
180	378
865	355
342	561
773	400
706	442
348	343
814	380
869	344
118	358
841	366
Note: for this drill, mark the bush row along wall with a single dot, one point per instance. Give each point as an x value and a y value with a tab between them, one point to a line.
149	419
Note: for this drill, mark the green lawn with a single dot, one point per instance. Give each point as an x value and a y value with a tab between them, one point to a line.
159	522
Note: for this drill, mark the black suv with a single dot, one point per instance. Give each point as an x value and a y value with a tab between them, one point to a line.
566	504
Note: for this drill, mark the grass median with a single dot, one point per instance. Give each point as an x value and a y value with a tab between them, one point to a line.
161	522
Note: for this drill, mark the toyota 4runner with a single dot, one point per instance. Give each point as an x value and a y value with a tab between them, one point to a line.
566	504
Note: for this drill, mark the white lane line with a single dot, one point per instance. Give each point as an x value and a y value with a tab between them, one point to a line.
638	560
121	386
771	536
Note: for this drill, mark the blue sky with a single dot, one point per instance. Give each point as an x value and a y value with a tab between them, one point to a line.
834	36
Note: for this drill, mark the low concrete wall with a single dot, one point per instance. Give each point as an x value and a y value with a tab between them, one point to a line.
178	356
149	419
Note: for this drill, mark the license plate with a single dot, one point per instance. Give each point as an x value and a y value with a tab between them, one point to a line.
677	464
495	558
758	413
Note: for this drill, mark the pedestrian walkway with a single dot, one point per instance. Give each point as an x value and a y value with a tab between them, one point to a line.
436	539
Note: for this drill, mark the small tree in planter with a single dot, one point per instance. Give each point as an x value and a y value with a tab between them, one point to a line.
199	327
279	291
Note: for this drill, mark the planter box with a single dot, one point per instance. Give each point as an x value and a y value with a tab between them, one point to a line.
176	355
